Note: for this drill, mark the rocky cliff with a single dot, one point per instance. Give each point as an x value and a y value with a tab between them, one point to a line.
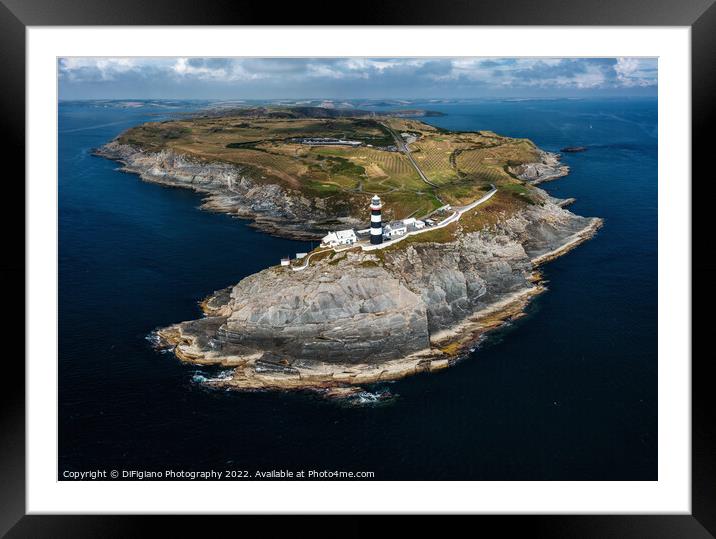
546	169
230	189
354	317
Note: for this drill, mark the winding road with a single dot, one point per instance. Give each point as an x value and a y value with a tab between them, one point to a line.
368	247
307	258
403	147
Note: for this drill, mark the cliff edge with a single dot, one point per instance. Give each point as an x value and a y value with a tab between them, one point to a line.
356	317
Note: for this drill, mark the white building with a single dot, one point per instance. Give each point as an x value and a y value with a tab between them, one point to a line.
401	228
395	229
341	237
414	223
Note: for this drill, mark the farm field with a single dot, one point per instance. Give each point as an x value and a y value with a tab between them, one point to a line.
275	146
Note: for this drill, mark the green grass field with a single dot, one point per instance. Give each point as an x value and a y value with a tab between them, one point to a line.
463	165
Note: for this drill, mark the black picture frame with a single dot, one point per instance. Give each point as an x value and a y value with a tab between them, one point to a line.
16	15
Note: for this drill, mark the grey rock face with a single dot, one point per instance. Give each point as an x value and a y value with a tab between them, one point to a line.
229	189
455	280
351	314
356	307
546	169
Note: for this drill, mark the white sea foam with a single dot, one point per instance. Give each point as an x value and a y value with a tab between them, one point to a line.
201	377
222	375
156	343
372	398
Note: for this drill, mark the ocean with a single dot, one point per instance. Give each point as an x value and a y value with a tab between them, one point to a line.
568	392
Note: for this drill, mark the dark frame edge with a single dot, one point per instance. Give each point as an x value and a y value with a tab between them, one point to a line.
703	420
12	268
700	524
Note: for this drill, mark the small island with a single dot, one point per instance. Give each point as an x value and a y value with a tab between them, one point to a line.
429	239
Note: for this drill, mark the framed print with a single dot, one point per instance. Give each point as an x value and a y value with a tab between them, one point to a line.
428	267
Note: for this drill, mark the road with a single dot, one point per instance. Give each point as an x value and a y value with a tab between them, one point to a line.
368	247
308	257
488	196
403	147
445	222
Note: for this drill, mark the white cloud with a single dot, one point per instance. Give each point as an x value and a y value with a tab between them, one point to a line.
626	67
183	68
593	77
104	68
438	74
635	72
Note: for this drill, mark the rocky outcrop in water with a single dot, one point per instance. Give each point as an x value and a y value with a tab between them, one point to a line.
546	169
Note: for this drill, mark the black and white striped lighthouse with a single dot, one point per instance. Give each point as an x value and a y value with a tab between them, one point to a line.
376	225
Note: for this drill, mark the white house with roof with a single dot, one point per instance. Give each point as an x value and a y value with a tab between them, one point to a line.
340	237
417	224
394	229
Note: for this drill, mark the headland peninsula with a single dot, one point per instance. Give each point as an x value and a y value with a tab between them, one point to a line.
429	239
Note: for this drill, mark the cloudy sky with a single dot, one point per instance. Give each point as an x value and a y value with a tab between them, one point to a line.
244	78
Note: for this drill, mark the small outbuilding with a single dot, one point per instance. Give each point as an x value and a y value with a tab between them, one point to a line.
340	237
395	229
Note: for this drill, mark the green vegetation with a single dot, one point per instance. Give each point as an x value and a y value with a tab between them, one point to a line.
266	143
520	190
249	144
345	167
501	206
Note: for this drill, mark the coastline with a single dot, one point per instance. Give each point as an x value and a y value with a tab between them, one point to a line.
138	256
447	347
218	181
224	189
547	169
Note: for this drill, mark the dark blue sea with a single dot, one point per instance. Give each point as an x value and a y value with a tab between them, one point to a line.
568	392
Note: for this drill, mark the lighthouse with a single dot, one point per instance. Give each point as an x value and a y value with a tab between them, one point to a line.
376	226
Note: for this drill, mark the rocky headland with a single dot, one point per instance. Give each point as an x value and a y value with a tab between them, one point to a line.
356	317
231	189
548	168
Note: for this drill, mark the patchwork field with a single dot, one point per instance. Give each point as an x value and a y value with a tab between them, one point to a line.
279	146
